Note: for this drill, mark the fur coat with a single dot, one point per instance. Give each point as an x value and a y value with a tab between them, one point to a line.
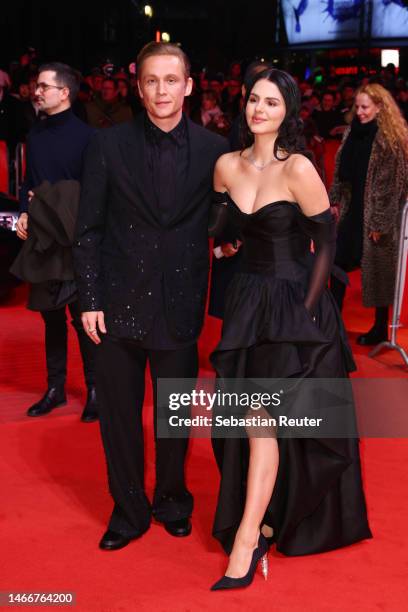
386	191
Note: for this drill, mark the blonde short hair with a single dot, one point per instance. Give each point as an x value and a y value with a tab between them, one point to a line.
161	48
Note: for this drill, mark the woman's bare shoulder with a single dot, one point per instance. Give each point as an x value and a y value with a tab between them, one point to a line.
228	160
298	165
225	168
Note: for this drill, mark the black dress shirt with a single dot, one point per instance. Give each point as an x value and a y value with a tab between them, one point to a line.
167	159
167	156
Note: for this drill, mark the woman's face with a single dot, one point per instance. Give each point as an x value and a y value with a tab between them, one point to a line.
366	109
265	109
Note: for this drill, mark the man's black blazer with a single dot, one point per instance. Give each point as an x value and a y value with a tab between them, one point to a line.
128	263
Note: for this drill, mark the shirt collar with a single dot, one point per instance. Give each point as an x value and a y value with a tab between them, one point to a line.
155	135
59	118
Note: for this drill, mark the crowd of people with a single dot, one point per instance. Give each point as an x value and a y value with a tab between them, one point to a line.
134	274
109	95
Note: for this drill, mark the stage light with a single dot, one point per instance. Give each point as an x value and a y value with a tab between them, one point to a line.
390	56
165	37
148	10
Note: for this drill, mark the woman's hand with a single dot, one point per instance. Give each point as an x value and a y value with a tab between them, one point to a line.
375	236
229	249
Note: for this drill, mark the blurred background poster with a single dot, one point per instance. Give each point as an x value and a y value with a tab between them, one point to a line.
316	20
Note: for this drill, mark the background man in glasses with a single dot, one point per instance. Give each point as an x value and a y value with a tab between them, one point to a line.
55	149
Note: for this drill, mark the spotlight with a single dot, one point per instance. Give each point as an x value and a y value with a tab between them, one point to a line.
390	56
148	10
165	37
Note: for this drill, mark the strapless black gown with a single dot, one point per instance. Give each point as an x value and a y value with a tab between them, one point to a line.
318	502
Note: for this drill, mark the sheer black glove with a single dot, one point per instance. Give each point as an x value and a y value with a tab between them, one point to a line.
218	215
321	228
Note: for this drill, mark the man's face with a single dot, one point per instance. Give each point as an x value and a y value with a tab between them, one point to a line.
97	81
109	91
327	102
51	97
236	70
348	94
304	113
204	84
314	101
24	91
163	86
216	86
234	87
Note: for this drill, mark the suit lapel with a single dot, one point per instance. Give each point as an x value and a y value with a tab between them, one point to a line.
133	150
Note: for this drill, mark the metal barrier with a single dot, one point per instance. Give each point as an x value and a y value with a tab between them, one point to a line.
19	167
399	290
4	167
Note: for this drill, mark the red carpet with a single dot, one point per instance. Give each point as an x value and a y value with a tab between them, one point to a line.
55	505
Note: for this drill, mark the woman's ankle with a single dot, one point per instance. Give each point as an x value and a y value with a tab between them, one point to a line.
247	538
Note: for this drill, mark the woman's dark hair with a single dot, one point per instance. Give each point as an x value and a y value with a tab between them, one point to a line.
290	136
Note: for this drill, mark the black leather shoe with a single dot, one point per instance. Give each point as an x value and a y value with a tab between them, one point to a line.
113	541
90	412
53	397
179	529
372	337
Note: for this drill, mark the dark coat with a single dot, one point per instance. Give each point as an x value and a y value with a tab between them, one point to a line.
45	259
386	190
47	252
128	263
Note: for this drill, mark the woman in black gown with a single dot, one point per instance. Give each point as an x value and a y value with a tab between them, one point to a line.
280	322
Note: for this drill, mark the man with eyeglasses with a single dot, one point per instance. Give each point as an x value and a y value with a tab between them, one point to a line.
55	148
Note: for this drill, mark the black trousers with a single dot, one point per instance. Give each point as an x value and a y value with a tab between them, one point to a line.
120	383
56	334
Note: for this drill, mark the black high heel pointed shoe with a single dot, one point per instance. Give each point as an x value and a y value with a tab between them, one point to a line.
260	554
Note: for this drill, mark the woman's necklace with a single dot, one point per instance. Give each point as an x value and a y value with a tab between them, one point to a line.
259	167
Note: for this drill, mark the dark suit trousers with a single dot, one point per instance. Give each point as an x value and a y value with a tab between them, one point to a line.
120	376
56	334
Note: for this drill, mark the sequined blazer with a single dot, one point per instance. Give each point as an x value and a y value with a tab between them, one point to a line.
129	263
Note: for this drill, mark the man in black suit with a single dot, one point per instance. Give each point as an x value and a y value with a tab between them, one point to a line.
142	271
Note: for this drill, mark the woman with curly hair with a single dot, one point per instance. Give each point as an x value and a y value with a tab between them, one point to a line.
280	322
371	186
